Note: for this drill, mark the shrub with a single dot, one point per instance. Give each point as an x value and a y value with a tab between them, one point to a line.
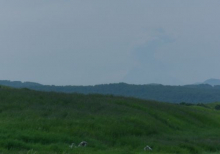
217	107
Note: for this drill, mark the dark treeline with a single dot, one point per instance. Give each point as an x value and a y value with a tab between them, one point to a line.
203	93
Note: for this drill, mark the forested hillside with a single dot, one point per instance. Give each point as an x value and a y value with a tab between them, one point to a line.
203	93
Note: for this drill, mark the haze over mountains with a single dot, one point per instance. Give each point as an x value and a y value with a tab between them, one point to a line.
207	92
212	82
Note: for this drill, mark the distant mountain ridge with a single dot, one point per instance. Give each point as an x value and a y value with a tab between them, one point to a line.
18	84
212	82
202	93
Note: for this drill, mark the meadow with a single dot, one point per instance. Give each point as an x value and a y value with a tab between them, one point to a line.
33	122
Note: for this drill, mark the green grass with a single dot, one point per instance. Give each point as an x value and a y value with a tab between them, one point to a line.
42	123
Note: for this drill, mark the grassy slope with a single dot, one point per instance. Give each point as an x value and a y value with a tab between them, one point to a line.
38	122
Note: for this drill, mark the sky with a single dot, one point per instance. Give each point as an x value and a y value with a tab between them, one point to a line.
75	42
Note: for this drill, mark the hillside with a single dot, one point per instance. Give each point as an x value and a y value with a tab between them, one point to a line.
212	82
46	122
203	93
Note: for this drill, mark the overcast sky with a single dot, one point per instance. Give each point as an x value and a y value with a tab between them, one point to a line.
88	42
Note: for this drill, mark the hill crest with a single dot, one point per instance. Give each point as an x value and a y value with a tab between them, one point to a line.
202	93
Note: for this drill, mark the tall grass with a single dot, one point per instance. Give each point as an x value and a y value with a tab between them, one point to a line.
43	123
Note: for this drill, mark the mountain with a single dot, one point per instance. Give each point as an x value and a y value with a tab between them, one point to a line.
203	93
212	82
18	84
34	122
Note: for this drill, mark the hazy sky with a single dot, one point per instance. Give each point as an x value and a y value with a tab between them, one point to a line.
87	42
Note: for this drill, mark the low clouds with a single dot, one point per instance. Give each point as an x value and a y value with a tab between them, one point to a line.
93	42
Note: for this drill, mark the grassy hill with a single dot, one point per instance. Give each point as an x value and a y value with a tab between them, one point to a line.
203	93
47	122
